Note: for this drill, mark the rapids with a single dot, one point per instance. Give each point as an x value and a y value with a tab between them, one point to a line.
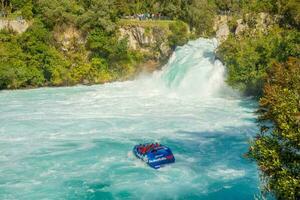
76	142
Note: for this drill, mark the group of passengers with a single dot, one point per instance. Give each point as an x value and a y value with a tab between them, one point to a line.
147	16
146	148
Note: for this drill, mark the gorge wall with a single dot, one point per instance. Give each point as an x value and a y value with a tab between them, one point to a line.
150	38
18	26
225	25
67	54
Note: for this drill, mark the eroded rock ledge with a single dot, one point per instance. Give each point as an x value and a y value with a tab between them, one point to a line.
151	39
18	26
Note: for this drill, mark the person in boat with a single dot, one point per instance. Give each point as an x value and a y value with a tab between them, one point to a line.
140	148
147	148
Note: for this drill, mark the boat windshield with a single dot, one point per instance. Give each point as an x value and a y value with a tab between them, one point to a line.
159	150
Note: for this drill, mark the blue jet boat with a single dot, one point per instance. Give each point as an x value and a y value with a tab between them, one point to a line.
155	155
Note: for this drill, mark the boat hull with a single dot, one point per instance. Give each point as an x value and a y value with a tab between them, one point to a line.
161	157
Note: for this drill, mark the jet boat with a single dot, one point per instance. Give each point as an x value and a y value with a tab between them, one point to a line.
155	155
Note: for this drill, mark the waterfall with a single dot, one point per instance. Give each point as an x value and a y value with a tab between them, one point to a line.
193	70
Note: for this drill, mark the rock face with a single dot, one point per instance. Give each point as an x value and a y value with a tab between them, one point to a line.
137	37
68	38
221	27
18	26
222	33
265	21
241	27
151	41
251	24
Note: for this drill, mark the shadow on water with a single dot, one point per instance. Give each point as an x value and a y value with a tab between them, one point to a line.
210	55
249	103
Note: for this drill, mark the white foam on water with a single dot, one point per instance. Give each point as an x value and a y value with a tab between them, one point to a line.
226	173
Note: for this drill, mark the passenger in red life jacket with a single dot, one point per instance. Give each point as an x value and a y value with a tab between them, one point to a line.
140	148
143	149
149	147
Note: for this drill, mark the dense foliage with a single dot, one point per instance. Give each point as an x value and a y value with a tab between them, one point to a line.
277	147
35	58
248	58
265	62
249	55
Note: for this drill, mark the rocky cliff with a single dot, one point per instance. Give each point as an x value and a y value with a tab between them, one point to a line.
68	38
150	38
221	28
225	25
18	26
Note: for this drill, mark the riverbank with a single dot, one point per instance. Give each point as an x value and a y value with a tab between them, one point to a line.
68	55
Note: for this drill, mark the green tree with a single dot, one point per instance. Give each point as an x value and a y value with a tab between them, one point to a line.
14	70
27	10
291	12
276	149
199	14
179	34
100	15
249	57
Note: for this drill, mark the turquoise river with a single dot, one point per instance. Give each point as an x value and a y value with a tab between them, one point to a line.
76	142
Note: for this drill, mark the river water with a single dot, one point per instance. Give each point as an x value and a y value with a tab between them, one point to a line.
76	142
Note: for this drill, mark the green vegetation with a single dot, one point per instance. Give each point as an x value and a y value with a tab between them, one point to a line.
199	14
176	30
276	148
146	23
36	58
248	57
266	63
179	36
